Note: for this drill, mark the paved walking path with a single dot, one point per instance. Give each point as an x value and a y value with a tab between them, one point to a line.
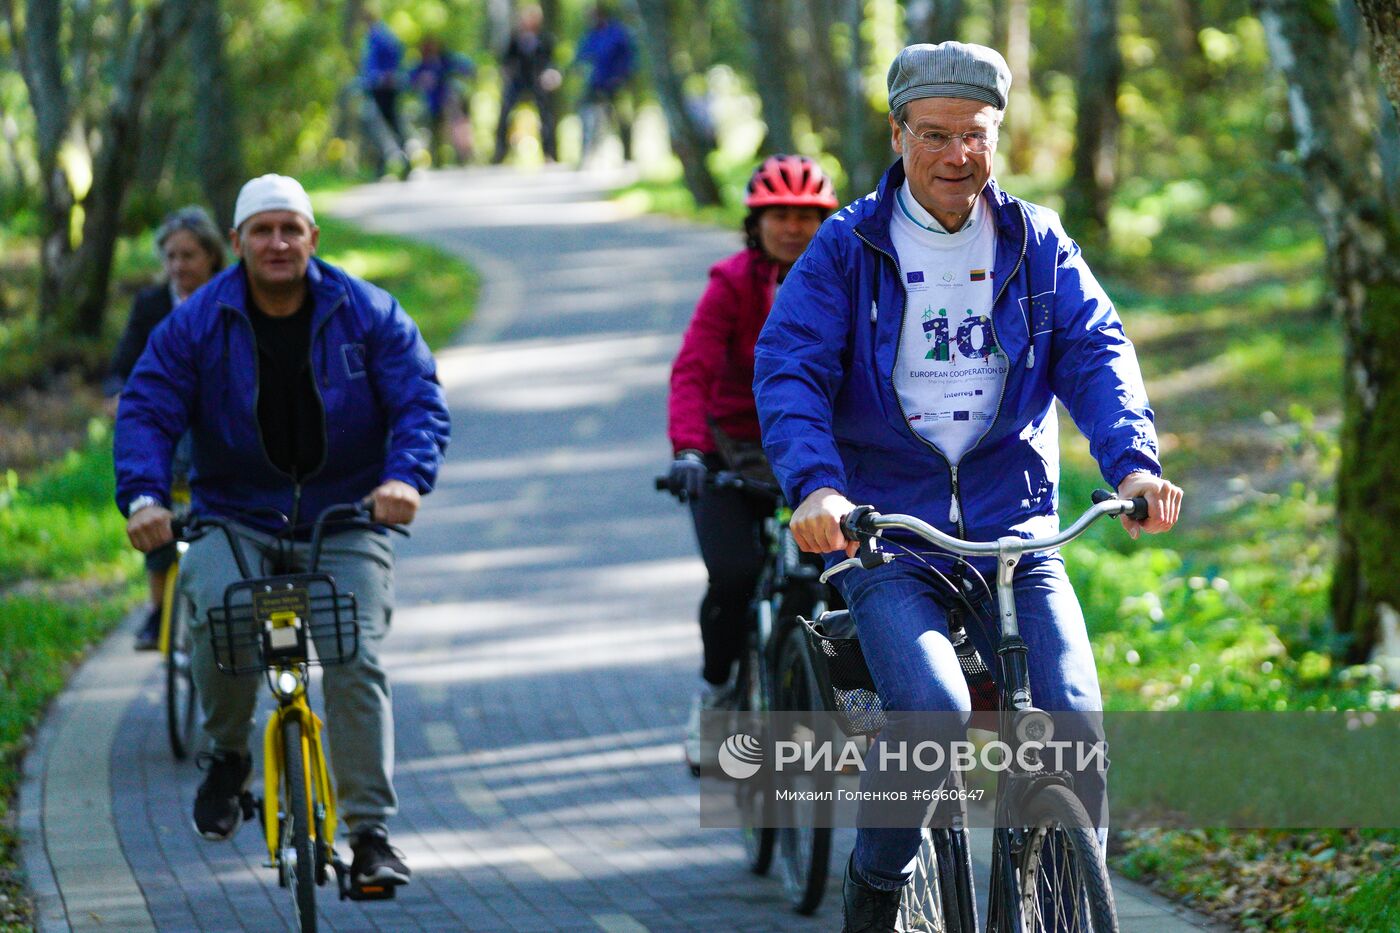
543	649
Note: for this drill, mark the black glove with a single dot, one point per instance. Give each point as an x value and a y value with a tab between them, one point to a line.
687	476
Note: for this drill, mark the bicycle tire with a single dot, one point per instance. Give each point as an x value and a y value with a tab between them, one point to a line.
754	797
296	856
939	896
1057	878
805	849
180	699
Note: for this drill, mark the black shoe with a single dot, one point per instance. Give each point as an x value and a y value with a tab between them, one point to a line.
376	862
148	639
223	802
865	909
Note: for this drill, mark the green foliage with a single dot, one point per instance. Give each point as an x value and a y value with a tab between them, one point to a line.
62	523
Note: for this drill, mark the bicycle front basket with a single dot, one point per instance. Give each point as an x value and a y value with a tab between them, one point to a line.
850	690
249	633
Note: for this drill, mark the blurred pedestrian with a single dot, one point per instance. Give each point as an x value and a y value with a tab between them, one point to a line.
381	80
191	250
438	77
609	52
527	69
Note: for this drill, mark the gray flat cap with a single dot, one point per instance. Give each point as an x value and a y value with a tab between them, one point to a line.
949	69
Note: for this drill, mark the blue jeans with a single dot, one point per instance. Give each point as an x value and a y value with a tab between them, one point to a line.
904	635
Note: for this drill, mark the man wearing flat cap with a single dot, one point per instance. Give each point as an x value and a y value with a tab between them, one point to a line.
911	362
302	387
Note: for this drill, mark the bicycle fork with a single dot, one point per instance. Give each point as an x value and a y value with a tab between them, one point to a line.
321	823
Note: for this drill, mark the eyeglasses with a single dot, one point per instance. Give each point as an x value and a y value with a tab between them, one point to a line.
977	141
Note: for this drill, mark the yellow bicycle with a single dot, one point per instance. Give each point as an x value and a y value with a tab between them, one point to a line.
270	625
181	710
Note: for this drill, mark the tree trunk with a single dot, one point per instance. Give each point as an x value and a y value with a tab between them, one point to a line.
864	145
689	140
932	20
217	141
1327	100
1022	103
826	78
1383	23
74	277
771	64
1096	145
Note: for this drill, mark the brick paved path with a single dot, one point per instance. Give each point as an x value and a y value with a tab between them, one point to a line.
544	646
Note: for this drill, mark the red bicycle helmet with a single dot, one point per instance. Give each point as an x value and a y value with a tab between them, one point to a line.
790	181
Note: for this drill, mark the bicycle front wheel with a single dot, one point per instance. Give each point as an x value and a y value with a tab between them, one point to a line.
296	856
939	898
755	797
805	844
1056	878
180	715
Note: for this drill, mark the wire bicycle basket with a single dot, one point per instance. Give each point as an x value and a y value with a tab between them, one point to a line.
272	622
848	688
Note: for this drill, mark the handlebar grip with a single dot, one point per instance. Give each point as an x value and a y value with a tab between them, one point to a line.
856	522
663	484
1139	510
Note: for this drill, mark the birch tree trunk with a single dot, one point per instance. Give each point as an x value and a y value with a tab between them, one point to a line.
1383	23
771	63
688	140
1020	108
1096	143
1327	99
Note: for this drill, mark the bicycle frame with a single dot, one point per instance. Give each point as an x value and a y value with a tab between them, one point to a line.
322	825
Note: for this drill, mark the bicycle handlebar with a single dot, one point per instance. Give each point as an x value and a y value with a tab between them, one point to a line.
356	514
864	524
724	479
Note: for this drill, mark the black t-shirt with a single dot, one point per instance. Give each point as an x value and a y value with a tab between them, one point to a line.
290	414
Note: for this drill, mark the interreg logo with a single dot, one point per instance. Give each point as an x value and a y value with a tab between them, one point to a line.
740	756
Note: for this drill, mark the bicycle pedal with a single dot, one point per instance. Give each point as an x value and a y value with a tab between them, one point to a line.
372	892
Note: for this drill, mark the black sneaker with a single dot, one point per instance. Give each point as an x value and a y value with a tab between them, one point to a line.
865	909
223	801
148	639
376	863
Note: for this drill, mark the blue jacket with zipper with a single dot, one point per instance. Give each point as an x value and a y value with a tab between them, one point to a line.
825	361
385	415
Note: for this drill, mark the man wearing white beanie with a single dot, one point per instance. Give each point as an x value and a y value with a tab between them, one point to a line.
302	387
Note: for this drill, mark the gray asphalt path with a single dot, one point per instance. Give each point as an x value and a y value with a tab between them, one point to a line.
544	647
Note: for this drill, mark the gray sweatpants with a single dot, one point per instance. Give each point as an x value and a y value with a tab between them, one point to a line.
359	716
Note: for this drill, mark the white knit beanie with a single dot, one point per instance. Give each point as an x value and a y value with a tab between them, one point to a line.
272	193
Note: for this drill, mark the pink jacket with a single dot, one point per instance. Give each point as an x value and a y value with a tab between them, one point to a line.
712	377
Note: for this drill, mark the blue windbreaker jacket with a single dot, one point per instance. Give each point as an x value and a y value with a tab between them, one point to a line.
824	377
385	415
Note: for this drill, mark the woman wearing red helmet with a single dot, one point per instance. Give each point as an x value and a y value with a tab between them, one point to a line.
713	422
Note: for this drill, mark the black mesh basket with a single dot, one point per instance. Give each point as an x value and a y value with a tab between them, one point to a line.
275	622
849	688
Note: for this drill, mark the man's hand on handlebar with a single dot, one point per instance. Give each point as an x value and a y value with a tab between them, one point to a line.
1163	503
149	528
394	503
816	523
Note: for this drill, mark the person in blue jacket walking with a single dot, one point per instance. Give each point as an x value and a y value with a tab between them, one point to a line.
911	362
301	387
607	49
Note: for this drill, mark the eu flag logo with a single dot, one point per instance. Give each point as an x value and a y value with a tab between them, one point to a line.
915	278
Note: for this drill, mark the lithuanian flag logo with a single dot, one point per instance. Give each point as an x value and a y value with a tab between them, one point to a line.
977	275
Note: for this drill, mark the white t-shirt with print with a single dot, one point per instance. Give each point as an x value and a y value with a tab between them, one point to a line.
950	373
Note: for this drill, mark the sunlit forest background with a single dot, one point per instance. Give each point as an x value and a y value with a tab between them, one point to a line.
1230	168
